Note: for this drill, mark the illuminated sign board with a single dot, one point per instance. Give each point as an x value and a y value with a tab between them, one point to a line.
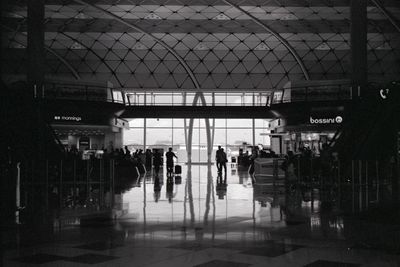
384	93
326	120
68	118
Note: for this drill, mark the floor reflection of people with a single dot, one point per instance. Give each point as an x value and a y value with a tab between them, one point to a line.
170	189
221	186
292	204
157	188
157	161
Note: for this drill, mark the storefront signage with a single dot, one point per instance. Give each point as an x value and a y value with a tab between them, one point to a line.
68	118
326	120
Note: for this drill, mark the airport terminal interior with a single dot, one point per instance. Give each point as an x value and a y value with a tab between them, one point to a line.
200	133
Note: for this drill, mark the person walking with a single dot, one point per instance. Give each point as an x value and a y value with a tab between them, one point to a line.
170	161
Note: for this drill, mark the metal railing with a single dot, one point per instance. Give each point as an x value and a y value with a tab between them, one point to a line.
353	186
66	187
335	92
133	97
82	92
145	98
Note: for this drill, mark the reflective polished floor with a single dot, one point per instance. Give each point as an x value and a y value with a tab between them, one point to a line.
202	219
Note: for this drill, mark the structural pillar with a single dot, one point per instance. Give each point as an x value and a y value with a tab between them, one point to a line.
36	57
358	38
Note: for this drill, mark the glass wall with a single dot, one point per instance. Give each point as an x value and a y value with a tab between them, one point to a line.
232	134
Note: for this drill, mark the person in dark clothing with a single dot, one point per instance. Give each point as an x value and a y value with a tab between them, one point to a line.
127	152
217	159
148	156
121	154
157	161
222	159
170	160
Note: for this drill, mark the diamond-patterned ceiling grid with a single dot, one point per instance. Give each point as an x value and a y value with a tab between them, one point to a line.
222	46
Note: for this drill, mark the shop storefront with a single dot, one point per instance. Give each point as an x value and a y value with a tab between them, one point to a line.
308	132
82	133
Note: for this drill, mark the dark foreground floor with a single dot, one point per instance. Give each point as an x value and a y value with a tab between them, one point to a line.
200	221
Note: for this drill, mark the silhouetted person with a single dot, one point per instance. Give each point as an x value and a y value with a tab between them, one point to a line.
140	157
121	154
170	160
157	161
127	152
254	155
218	158
148	159
222	159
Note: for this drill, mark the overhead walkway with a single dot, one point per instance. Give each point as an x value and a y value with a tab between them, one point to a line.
130	103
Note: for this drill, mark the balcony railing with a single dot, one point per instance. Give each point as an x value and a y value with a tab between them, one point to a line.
335	92
133	97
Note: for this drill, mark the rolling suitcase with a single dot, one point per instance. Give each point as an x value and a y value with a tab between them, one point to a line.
178	179
178	169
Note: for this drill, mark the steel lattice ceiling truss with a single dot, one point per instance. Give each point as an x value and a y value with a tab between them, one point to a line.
223	46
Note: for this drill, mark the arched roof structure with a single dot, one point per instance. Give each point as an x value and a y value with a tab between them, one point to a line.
222	44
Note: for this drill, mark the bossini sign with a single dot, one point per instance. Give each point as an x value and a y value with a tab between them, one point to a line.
334	120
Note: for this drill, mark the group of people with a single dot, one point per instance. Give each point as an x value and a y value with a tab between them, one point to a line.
306	166
147	158
157	161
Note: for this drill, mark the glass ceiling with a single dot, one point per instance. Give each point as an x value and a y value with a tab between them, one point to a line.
216	44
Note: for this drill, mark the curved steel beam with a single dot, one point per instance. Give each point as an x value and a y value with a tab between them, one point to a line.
181	61
94	53
72	69
386	13
54	53
208	130
160	42
276	35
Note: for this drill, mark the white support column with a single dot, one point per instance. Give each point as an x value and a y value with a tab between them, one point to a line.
208	130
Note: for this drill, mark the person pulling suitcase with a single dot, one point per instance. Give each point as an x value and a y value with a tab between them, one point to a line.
170	161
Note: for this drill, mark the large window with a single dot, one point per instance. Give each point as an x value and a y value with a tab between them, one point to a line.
232	134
